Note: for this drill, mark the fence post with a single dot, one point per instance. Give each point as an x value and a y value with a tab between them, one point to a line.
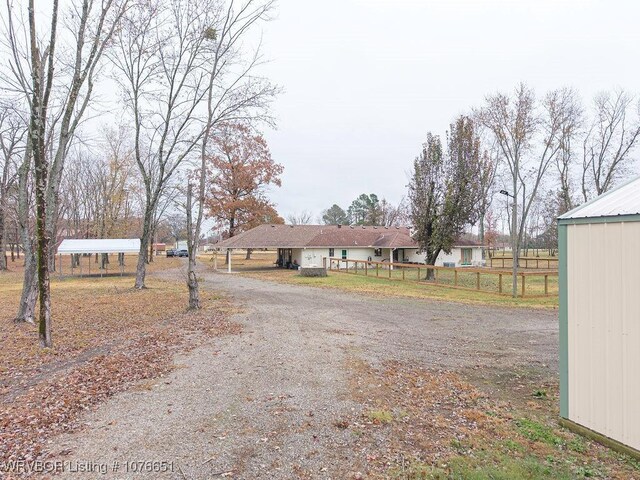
455	277
546	284
356	267
389	271
477	280
377	269
403	273
523	283
500	283
435	274
366	269
418	273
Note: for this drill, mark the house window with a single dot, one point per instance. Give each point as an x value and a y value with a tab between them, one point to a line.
331	252
377	252
466	256
344	254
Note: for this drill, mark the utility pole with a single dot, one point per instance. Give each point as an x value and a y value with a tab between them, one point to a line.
514	243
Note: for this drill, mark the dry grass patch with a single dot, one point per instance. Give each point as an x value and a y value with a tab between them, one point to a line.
106	336
260	260
87	313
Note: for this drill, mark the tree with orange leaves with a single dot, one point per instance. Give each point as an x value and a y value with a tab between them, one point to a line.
241	169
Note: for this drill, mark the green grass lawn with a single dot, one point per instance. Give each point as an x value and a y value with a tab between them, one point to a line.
489	280
384	287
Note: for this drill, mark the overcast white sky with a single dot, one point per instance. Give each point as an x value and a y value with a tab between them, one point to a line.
364	80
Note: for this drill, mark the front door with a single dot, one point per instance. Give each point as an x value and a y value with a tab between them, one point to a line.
466	256
396	255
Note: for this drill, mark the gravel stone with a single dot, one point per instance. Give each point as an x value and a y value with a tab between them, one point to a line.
268	403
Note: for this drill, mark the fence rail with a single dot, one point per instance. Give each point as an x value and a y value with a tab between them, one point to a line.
529	283
524	262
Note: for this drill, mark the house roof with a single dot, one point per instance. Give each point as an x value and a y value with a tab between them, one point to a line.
100	245
336	236
302	236
624	200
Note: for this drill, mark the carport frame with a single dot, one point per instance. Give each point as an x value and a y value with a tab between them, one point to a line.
101	247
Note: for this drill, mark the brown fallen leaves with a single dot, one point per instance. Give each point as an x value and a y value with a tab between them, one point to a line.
427	423
107	336
417	411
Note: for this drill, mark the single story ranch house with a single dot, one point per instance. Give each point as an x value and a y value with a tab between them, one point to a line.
309	245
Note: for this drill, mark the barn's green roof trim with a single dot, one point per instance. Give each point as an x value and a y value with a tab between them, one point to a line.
564	321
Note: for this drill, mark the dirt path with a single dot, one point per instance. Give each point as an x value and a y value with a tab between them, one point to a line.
265	404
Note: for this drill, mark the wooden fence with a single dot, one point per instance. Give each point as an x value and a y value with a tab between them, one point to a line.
524	262
530	283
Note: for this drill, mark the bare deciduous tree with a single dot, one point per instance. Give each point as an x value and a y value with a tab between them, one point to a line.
300	218
160	56
41	72
234	93
12	136
528	141
608	144
394	215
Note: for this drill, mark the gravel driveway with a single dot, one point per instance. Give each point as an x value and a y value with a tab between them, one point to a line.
265	404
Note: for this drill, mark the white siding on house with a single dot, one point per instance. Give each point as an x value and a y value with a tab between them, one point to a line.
604	329
353	253
314	256
454	257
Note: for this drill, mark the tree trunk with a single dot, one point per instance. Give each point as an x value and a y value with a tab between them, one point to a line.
141	268
27	307
52	234
104	261
3	245
150	258
42	251
192	244
481	235
248	256
431	260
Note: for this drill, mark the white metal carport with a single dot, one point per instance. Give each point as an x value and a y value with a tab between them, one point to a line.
75	246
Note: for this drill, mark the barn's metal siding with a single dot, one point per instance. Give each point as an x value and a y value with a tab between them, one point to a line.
601	307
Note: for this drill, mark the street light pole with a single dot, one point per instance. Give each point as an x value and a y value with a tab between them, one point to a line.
514	243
